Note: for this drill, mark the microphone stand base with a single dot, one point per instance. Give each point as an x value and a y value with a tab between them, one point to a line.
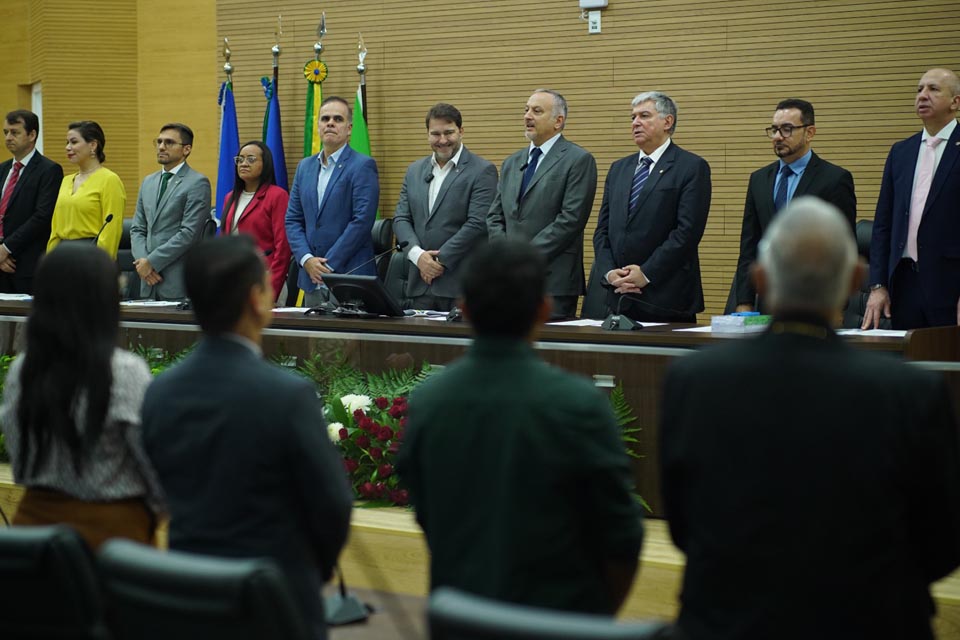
617	322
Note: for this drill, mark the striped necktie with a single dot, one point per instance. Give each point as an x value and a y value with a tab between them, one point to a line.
780	199
639	179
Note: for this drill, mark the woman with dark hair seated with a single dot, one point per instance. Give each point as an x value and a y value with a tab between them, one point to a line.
257	206
71	406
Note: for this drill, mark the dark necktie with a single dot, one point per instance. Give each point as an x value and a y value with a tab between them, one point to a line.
639	179
530	170
8	192
164	179
780	200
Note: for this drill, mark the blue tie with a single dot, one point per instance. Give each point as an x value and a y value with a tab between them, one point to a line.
530	170
780	200
639	179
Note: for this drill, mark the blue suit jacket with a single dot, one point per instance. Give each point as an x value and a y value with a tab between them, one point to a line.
938	239
338	228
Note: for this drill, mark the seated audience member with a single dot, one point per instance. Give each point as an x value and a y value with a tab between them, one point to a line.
828	507
71	406
517	470
239	444
257	207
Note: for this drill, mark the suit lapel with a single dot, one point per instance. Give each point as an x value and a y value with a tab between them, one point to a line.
661	167
151	188
947	162
547	163
808	177
338	170
447	182
172	186
904	182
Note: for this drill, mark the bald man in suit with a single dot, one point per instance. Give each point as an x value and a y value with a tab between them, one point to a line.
545	197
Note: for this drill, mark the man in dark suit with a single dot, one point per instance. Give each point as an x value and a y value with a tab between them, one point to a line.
545	196
915	249
517	470
333	204
653	214
442	211
239	445
828	507
798	172
29	184
172	207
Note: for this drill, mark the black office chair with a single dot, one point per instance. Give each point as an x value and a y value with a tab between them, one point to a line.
129	280
455	615
382	240
48	586
857	303
154	595
395	280
209	228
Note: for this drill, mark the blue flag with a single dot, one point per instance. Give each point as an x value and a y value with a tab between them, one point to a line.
273	133
229	146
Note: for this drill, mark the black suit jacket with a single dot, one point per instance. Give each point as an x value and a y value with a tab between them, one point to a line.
661	237
242	453
823	179
26	225
822	508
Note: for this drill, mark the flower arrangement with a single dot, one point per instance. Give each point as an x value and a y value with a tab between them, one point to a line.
368	433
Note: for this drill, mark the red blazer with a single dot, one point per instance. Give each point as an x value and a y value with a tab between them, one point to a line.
264	220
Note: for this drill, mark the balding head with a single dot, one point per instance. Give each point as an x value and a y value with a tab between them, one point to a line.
808	259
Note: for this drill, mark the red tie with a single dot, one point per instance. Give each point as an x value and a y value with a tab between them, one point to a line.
8	192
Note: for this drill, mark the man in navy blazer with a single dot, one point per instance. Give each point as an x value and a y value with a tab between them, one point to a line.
25	220
333	204
915	249
653	214
798	172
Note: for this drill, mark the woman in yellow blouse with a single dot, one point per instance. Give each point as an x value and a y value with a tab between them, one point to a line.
87	198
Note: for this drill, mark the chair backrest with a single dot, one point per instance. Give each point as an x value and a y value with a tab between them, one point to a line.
48	585
456	615
130	281
395	279
209	228
154	595
382	240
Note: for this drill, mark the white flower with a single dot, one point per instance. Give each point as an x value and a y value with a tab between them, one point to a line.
333	430
352	402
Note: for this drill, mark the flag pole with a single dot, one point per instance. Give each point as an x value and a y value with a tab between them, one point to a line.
362	70
315	71
229	136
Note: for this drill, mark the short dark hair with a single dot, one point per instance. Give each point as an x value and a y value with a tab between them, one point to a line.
90	131
445	112
503	286
804	107
219	274
343	102
28	119
186	133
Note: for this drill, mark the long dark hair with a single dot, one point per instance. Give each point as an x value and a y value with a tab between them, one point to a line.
71	335
266	174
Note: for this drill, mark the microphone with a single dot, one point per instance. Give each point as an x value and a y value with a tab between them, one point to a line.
400	246
429	178
524	167
617	322
106	221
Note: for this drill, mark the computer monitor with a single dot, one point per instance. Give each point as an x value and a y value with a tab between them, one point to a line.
361	295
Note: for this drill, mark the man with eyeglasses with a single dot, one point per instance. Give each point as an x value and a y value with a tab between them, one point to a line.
442	211
333	204
172	207
798	172
653	214
915	248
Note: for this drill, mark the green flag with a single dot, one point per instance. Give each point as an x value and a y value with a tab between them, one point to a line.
360	138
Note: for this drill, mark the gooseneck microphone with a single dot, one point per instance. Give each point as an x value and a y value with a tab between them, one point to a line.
617	322
106	221
400	246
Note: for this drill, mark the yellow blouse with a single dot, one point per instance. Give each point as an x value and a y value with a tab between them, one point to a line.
80	215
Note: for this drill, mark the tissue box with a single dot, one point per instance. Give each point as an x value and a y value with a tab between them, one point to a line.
739	323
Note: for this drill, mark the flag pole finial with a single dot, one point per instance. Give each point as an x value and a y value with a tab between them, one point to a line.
321	31
275	49
361	54
227	67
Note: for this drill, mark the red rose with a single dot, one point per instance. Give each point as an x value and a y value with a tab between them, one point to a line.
394	447
358	414
403	422
385	470
399	400
384	434
350	465
376	453
364	423
400	497
380	489
343	433
363	442
396	411
381	402
367	490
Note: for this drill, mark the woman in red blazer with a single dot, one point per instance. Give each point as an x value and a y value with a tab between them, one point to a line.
257	207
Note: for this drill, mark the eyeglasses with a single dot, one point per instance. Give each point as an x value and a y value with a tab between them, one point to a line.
785	130
166	142
247	159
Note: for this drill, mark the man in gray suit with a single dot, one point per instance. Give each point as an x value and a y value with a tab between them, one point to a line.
545	197
172	206
443	203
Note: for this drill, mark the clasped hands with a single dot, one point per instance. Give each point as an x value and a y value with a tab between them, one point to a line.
430	266
316	268
146	272
628	279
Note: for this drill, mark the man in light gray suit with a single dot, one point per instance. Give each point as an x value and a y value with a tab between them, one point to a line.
172	207
441	212
545	197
